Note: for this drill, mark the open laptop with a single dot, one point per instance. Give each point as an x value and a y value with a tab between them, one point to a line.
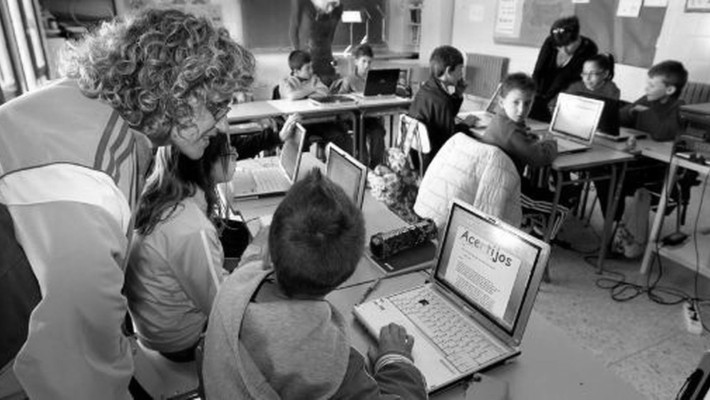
486	115
258	177
346	171
473	313
380	83
574	122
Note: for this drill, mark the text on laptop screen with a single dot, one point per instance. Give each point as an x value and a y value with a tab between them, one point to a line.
290	153
346	174
486	264
576	117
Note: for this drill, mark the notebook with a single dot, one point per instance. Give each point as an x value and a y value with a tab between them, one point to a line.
380	83
346	171
260	177
486	115
332	100
574	122
473	313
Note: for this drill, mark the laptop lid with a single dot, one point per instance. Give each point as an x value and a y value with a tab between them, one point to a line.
381	82
493	102
609	120
346	171
291	153
491	269
576	118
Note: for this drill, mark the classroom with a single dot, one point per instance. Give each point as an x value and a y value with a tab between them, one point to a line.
312	199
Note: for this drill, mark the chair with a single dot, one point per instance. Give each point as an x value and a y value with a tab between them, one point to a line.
475	172
413	135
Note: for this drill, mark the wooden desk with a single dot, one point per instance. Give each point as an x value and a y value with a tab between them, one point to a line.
551	365
356	111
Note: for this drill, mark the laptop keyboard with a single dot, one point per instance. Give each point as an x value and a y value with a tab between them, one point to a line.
464	344
270	180
567	145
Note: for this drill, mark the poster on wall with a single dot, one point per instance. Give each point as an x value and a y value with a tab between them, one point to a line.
697	6
527	22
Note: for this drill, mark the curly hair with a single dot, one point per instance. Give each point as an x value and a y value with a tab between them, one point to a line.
148	66
175	177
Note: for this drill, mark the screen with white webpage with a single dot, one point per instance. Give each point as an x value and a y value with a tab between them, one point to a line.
577	116
487	265
345	174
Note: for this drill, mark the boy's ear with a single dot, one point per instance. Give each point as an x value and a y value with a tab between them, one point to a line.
670	90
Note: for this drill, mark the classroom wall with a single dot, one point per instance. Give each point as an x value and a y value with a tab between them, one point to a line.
684	37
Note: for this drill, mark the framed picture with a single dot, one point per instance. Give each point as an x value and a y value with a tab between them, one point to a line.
697	5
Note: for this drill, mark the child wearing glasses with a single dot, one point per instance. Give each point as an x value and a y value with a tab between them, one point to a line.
597	74
175	264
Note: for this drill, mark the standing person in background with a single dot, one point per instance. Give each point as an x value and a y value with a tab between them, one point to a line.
559	64
72	158
312	28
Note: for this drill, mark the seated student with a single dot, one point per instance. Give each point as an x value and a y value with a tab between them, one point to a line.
658	114
508	131
439	99
597	77
303	83
273	335
175	264
374	129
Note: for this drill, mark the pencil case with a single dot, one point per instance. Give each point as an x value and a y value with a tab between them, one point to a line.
386	244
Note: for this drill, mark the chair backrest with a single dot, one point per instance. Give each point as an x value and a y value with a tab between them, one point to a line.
413	134
477	173
484	72
695	92
275	93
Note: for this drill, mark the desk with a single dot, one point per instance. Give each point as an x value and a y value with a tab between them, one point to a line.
378	218
357	111
551	365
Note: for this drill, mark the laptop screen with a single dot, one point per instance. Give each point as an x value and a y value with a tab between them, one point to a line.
576	117
291	153
493	102
347	172
488	265
381	82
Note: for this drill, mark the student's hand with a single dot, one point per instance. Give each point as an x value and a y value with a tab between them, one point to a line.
471	120
393	339
638	108
461	87
288	127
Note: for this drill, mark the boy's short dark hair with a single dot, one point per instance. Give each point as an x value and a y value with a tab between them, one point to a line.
565	30
297	59
316	238
518	80
364	50
442	57
672	72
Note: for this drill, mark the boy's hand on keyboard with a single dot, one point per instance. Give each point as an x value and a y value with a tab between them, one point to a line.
393	339
471	120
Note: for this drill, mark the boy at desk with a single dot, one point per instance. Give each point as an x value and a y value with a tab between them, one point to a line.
273	335
439	99
508	131
658	114
302	84
355	82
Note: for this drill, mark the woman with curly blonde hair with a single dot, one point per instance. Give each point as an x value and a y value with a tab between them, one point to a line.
72	158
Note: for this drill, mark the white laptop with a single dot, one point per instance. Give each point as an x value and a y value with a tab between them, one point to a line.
258	177
486	115
346	171
574	122
473	313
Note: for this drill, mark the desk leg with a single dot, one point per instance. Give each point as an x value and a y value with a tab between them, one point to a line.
658	219
612	201
360	139
551	219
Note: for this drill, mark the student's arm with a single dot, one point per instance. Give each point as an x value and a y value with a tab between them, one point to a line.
661	121
198	267
291	88
249	145
531	150
319	87
295	23
627	116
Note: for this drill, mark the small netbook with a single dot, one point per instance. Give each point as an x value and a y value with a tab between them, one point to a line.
380	83
473	313
346	171
259	177
574	122
486	115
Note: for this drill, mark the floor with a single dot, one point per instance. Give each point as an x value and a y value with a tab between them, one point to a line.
643	342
